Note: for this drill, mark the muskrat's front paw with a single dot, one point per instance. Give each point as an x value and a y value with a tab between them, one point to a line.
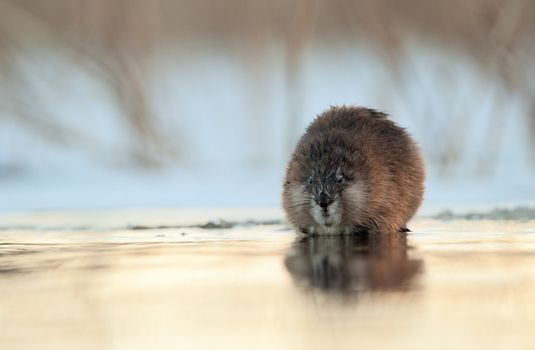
304	231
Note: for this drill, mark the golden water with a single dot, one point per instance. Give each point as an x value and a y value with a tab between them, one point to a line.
86	281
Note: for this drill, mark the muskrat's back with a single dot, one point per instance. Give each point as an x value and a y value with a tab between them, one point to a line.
353	170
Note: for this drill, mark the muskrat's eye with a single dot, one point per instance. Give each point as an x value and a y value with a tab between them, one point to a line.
341	179
310	181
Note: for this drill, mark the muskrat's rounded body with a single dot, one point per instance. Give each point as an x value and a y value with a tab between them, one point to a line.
353	170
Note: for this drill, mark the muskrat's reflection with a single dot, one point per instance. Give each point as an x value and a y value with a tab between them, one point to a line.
353	263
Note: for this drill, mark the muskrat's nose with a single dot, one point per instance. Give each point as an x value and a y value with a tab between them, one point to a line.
323	200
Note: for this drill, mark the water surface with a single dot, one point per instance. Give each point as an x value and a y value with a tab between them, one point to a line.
103	284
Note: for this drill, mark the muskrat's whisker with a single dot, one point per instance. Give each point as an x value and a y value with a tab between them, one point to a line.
301	202
298	205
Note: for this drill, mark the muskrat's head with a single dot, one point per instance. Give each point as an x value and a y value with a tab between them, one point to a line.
325	184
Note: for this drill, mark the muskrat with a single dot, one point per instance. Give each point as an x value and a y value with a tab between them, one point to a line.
353	170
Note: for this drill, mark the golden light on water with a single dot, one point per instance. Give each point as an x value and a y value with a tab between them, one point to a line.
260	287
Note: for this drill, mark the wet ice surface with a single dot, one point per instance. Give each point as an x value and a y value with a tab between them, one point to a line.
519	213
165	279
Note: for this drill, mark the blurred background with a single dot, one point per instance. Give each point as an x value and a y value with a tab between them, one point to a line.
198	103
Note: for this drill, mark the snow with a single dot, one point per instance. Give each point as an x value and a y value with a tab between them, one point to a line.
229	123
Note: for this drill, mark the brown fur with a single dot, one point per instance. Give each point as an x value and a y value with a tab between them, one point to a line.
370	168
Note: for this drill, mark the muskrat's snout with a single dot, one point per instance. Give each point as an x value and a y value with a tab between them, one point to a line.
323	200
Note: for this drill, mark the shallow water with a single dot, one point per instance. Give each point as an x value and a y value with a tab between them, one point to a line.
91	281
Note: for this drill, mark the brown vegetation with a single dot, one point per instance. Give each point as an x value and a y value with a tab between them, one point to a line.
116	40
